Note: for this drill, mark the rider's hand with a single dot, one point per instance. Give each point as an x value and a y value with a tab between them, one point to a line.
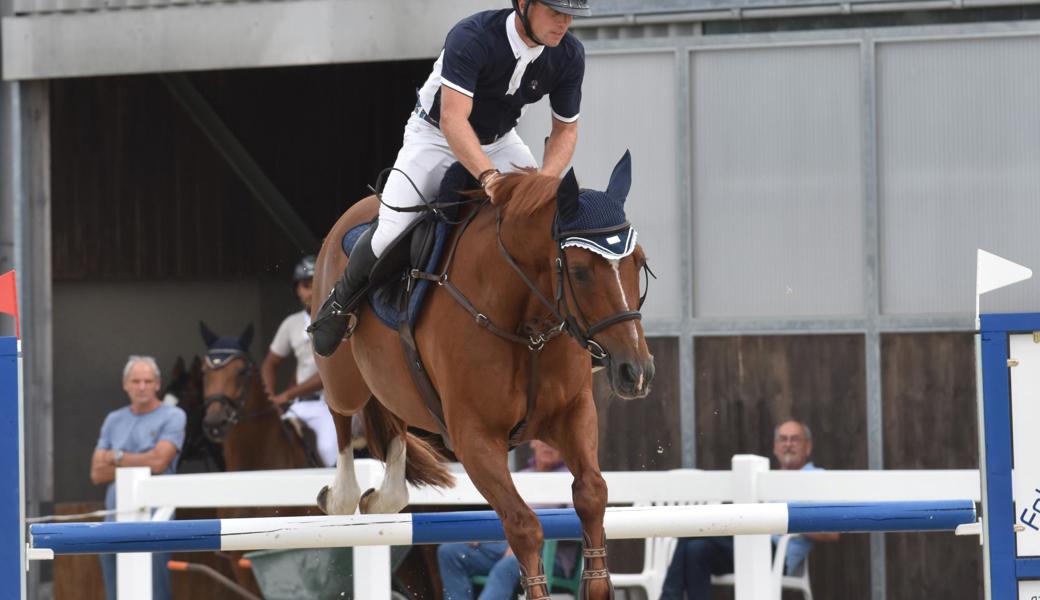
280	399
491	184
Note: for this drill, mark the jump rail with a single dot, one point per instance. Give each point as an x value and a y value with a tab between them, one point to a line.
484	526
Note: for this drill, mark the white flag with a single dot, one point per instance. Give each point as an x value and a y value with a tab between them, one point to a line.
995	272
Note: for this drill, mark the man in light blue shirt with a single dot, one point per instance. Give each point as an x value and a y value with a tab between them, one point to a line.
697	559
147	433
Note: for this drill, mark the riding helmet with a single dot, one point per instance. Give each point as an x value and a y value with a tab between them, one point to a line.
304	269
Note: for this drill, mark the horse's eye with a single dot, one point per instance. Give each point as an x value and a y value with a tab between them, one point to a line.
582	274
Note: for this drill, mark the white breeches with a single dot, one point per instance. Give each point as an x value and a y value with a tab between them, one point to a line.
425	156
315	413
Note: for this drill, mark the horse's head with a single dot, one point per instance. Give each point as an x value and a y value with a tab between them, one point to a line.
225	381
599	266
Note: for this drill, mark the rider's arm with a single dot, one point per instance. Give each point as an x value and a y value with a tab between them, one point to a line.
455	110
269	371
565	102
560	148
309	386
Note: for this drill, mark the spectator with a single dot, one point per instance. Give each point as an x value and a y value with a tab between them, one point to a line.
697	559
460	562
147	433
305	392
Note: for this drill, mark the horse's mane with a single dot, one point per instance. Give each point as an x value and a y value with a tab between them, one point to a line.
522	193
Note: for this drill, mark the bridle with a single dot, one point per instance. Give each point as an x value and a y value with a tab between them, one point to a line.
234	408
581	330
573	320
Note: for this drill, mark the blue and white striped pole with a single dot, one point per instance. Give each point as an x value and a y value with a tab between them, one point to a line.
481	526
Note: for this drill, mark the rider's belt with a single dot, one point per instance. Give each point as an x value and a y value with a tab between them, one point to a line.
484	141
309	398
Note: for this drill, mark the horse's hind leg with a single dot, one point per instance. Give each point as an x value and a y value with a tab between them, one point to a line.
486	462
589	491
392	495
341	498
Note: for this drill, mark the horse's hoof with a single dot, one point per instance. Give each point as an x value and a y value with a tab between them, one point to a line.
362	503
323	500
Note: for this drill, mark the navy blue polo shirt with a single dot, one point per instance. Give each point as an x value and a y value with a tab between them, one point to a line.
485	58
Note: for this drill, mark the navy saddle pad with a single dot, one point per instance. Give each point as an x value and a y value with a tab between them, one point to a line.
378	297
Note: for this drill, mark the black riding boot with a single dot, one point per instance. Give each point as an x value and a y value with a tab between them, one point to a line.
334	317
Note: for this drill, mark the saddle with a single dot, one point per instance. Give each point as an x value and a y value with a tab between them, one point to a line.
420	247
398	303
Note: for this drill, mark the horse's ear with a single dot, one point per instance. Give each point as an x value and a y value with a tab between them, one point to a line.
178	369
567	197
621	178
196	366
247	337
207	335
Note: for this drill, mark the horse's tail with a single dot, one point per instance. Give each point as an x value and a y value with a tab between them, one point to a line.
423	465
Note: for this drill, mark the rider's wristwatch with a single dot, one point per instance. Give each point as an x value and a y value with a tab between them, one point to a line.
117	457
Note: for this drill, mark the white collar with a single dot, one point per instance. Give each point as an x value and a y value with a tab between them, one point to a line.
517	43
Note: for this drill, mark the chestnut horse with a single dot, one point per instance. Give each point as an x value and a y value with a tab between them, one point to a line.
542	239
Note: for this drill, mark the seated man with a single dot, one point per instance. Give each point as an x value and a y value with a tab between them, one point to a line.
460	562
697	559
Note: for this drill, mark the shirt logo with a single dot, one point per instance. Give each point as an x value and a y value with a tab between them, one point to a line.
534	85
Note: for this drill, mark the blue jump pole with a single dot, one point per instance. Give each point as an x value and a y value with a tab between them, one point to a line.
437	528
12	511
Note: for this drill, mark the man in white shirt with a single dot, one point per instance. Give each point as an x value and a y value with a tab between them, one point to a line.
305	392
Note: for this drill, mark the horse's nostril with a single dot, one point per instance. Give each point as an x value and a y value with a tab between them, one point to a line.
630	372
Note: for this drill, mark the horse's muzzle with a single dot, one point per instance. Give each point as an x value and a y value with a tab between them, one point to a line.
630	378
216	431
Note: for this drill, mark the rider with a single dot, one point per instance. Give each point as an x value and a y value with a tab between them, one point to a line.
308	403
493	64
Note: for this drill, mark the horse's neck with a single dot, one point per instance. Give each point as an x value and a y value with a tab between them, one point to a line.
500	291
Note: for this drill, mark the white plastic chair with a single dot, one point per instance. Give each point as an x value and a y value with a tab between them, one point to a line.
656	557
799	582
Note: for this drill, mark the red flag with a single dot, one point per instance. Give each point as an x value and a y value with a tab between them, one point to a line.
9	299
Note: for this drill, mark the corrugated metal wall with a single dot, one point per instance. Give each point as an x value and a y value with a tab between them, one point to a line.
958	148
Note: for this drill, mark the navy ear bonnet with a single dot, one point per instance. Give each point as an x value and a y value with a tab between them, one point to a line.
221	350
596	220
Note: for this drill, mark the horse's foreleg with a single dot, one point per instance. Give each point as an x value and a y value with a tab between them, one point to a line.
589	491
392	495
486	462
341	498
